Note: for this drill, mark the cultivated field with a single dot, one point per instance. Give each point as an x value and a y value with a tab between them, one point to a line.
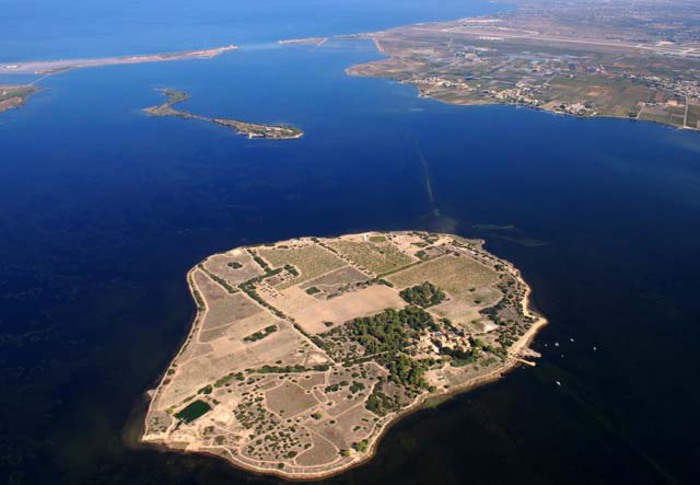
377	258
310	260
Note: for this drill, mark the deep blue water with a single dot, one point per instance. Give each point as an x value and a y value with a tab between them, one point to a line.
103	210
60	29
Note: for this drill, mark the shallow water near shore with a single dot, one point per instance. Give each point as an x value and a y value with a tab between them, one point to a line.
103	210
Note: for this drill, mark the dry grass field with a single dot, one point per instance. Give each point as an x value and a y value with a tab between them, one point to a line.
226	309
289	399
341	309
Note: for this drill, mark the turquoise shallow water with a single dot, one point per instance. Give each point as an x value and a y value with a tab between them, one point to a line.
103	210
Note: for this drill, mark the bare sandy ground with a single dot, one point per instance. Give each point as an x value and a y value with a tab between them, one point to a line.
53	67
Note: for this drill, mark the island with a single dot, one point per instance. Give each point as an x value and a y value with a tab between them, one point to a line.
304	352
251	130
634	59
14	96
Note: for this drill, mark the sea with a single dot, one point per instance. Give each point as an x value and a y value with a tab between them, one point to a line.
103	210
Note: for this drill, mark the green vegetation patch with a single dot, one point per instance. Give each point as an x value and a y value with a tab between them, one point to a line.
275	369
390	330
193	411
253	337
424	295
357	387
406	371
206	389
379	403
228	378
361	446
460	357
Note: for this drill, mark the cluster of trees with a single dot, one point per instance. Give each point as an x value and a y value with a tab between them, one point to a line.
253	337
424	295
336	387
460	356
494	312
390	330
379	403
261	262
387	333
360	446
206	389
222	381
292	270
406	371
275	369
357	387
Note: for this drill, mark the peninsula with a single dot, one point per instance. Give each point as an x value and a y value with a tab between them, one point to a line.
14	96
635	59
251	130
53	67
303	352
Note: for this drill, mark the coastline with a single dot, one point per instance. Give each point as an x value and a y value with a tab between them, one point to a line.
492	103
15	96
510	362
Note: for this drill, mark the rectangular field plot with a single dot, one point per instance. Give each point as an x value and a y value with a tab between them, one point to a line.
346	307
227	310
378	258
239	329
455	275
337	278
310	261
210	291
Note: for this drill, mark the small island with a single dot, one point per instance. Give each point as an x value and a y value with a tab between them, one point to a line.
304	352
251	130
15	96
